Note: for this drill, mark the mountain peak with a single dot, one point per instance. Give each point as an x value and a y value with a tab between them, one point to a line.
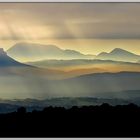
35	52
119	54
2	52
7	61
119	50
102	53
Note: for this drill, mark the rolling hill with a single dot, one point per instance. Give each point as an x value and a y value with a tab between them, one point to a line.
81	66
105	85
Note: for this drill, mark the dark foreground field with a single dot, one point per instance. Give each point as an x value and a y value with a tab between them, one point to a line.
92	121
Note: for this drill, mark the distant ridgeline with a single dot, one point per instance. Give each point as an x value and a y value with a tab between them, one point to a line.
6	61
34	52
7	106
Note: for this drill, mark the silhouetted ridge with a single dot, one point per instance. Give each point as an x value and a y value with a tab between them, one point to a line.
2	52
5	60
86	121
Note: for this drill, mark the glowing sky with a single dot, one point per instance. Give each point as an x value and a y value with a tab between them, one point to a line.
86	27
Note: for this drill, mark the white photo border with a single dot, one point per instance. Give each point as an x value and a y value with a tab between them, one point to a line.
133	1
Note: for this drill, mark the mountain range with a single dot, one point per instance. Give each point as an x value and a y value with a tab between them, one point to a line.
119	55
62	69
22	81
34	52
10	65
24	52
78	67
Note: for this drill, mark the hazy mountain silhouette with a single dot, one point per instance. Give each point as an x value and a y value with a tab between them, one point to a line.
35	52
81	66
32	51
77	62
10	66
18	80
119	55
6	61
34	82
104	84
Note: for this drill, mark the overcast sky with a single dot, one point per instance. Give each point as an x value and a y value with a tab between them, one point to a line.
87	27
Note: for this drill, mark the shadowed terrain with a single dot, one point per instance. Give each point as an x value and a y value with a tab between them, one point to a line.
92	121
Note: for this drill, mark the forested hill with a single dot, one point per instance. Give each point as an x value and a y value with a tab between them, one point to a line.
91	121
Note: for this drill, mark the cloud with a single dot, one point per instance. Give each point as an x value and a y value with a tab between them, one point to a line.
21	21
